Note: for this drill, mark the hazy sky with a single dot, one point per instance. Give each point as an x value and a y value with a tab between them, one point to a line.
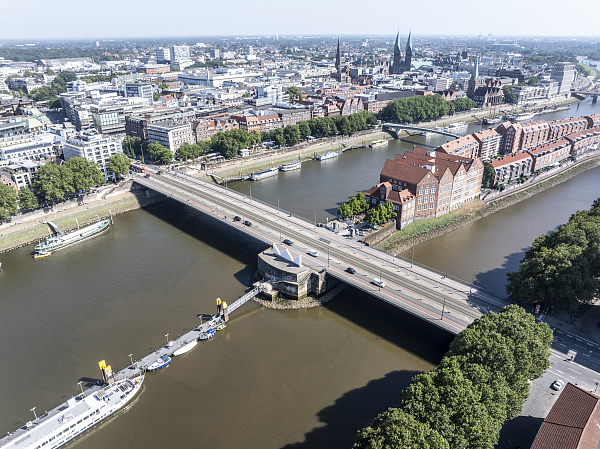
37	19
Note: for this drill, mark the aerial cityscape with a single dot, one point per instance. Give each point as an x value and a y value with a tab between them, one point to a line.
315	235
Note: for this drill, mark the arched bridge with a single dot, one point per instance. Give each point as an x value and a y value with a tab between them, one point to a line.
449	304
398	126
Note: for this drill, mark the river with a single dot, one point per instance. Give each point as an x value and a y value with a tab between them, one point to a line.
272	379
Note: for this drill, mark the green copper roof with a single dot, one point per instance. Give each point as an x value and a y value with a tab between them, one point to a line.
475	73
397	44
409	45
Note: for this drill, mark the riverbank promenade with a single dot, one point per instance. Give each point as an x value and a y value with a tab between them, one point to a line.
446	303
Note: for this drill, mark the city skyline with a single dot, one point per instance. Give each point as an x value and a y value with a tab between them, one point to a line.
137	19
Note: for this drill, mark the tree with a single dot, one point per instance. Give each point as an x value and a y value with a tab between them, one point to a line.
163	85
118	165
52	182
68	76
396	429
489	175
294	93
448	402
304	129
27	199
133	145
54	103
563	267
533	80
8	201
155	96
278	137
86	174
291	134
463	104
160	153
509	96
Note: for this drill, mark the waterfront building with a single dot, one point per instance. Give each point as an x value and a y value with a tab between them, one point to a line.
205	129
563	127
489	143
94	147
21	173
584	141
440	182
593	120
6	179
403	200
170	134
564	74
550	154
258	120
522	136
512	167
466	146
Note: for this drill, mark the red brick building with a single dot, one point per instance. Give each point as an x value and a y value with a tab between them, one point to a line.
549	154
522	136
559	128
205	129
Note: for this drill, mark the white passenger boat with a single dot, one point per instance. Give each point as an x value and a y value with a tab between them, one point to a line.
427	133
60	425
523	116
328	155
160	363
262	174
289	166
185	347
378	143
63	241
460	126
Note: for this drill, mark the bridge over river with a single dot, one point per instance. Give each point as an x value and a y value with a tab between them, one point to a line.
447	303
399	127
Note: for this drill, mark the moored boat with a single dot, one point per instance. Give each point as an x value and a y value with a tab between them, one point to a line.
62	424
160	363
427	133
491	120
262	174
185	347
328	155
378	143
208	334
59	242
221	326
289	166
460	126
522	116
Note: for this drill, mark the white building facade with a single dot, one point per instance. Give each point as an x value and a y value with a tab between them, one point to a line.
94	147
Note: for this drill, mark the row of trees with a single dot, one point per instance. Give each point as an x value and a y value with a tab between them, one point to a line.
562	267
10	201
354	206
380	214
423	107
482	381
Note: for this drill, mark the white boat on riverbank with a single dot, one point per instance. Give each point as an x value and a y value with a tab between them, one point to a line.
289	166
328	155
262	174
63	241
454	127
378	143
185	347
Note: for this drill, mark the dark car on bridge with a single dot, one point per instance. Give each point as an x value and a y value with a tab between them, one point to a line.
247	223
288	242
237	218
350	270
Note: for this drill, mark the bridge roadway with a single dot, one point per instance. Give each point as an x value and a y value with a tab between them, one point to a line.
420	292
419	128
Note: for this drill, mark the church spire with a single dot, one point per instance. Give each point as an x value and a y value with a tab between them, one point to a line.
475	73
338	57
409	44
397	44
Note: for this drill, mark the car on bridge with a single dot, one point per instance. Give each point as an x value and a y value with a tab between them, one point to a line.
379	283
237	218
350	270
288	242
313	253
247	223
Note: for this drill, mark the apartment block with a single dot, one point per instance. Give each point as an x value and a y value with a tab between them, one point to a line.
137	125
94	147
261	120
466	146
489	143
171	134
559	128
550	154
511	167
584	141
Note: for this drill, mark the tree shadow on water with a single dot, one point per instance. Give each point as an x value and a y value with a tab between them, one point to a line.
354	410
495	280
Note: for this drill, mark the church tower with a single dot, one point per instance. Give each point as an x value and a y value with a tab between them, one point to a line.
397	63
409	52
473	81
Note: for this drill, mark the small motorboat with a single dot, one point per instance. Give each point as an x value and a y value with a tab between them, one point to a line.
221	326
208	334
40	254
160	363
185	347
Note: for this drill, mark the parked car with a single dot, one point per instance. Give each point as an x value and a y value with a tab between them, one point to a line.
313	253
379	283
350	270
237	218
247	223
288	242
557	385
